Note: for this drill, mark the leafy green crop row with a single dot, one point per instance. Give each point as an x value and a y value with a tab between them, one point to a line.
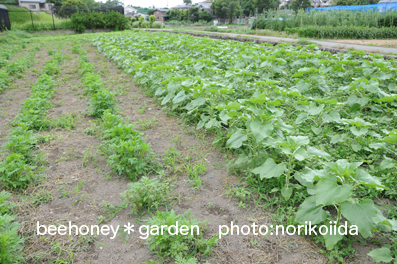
344	32
301	120
20	166
16	67
128	153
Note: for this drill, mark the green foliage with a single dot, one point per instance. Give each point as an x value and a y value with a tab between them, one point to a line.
15	173
355	2
146	194
157	25
205	16
101	101
226	8
69	7
5	206
310	127
172	246
128	153
300	4
347	32
96	20
10	242
152	18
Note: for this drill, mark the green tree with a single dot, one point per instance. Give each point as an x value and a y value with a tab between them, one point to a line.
226	8
300	4
150	12
152	18
69	7
248	7
205	16
187	2
112	3
262	5
194	14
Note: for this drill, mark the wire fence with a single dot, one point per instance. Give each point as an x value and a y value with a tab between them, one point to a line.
49	17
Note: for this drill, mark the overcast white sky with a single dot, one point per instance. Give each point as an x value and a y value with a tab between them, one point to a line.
156	3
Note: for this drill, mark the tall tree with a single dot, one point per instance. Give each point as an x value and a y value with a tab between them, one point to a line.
300	4
248	7
261	5
187	2
226	8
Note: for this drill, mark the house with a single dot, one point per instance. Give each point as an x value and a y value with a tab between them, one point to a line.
36	5
160	14
130	11
182	7
205	6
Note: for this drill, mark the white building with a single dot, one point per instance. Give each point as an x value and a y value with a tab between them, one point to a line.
36	5
130	11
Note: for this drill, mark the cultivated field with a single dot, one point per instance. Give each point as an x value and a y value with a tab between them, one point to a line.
149	129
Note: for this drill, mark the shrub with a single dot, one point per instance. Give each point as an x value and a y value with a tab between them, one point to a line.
15	173
152	18
157	25
135	24
173	246
69	7
145	24
10	242
82	21
102	101
347	32
146	194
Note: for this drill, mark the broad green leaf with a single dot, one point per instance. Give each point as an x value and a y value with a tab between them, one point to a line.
314	109
391	139
359	132
180	97
237	139
318	152
356	147
260	130
307	176
358	122
286	192
269	169
316	130
328	192
377	145
342	167
285	127
233	105
387	163
336	139
382	254
360	214
332	117
311	212
301	117
365	178
300	154
331	238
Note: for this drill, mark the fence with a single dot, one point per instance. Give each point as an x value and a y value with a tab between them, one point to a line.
51	17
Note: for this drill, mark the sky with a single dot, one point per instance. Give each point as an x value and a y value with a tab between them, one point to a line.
156	3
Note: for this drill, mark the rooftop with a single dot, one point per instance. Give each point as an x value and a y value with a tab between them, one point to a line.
33	1
181	6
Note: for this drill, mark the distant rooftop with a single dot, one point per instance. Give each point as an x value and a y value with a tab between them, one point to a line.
181	6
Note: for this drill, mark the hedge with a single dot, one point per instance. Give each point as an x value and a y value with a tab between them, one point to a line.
344	32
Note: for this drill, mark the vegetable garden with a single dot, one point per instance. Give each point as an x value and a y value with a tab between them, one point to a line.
311	136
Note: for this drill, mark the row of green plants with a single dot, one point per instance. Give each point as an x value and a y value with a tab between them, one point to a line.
21	166
344	32
311	127
142	23
98	20
14	68
280	20
128	154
